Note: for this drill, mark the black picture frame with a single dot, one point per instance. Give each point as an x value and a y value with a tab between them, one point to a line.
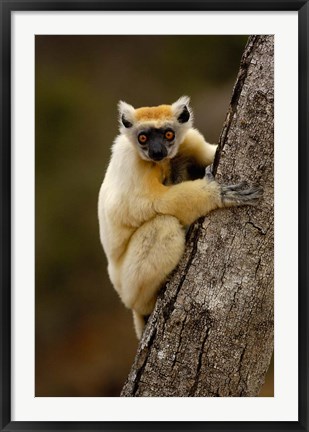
6	7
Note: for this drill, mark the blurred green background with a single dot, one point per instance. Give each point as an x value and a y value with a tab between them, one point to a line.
85	342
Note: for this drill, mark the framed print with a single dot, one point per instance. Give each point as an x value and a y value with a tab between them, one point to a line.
218	335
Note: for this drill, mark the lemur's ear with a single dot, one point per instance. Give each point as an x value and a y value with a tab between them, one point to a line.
182	110
126	114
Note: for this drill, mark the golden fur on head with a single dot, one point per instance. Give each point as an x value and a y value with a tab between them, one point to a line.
161	112
155	113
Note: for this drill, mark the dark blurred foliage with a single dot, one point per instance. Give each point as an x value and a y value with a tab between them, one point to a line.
85	341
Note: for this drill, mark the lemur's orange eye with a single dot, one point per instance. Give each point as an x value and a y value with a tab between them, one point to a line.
169	135
142	138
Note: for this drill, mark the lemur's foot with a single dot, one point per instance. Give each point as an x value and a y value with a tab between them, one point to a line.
208	173
234	195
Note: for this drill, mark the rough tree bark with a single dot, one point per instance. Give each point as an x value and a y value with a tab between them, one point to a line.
211	333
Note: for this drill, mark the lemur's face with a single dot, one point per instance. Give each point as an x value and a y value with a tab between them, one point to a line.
156	143
156	132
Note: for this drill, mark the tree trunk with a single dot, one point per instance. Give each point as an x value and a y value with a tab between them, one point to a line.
211	333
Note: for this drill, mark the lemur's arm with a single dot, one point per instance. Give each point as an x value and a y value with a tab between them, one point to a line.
195	146
190	200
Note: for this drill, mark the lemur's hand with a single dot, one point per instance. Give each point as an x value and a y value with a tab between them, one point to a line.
236	195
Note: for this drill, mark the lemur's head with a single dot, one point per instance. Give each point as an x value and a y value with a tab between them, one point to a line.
156	132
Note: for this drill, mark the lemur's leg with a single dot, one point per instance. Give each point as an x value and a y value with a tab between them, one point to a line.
153	252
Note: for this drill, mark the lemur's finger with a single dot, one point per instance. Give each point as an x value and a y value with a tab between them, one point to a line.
209	173
235	187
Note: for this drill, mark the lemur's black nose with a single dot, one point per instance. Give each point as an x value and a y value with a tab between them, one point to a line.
157	156
157	153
